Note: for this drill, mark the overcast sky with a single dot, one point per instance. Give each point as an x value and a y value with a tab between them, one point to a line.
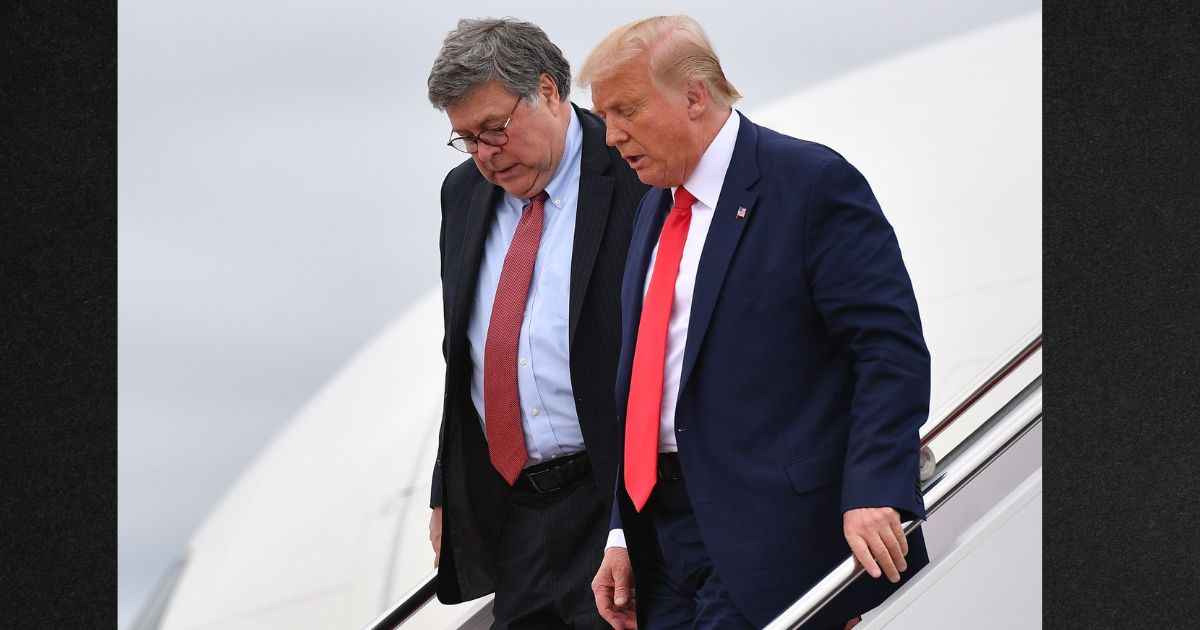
279	170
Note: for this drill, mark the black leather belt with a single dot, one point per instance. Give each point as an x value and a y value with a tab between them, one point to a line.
668	467
555	474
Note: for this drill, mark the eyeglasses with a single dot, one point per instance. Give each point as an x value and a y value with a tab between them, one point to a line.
491	137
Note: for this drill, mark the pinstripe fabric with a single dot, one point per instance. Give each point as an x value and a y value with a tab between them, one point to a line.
538	587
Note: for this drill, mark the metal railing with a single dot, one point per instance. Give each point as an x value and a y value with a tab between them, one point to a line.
1028	345
407	605
962	464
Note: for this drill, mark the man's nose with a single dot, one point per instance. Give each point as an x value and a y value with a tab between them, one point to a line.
614	136
486	151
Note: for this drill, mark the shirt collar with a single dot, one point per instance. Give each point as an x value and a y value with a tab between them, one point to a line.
708	178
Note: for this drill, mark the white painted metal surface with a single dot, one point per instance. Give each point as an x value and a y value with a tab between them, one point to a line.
991	579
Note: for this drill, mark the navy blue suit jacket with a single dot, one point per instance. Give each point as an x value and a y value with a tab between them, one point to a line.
805	373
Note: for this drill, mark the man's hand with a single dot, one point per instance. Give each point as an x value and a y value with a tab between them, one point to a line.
435	534
877	540
613	587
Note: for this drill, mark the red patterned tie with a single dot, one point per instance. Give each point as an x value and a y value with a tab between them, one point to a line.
501	396
645	389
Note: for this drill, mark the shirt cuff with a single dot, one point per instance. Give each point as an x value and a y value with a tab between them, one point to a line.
616	538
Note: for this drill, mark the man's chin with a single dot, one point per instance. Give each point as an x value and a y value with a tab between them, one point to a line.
520	191
510	186
653	179
511	183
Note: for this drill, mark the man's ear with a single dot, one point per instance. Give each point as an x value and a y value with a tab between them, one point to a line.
698	98
548	88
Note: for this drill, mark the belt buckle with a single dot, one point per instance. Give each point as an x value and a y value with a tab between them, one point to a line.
676	469
532	477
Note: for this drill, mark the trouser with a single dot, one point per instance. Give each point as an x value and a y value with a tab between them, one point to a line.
677	587
549	551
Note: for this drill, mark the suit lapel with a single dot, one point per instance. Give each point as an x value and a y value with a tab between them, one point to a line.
652	212
645	237
723	236
591	216
479	217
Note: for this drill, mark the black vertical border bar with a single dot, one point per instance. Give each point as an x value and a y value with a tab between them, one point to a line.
1121	256
58	292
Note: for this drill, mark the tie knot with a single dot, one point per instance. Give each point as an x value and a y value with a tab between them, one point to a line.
536	204
683	198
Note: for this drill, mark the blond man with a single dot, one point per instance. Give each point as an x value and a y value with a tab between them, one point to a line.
773	373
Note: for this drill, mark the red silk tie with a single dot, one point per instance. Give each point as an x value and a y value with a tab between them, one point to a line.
646	384
501	395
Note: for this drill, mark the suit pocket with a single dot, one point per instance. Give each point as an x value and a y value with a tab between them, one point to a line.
817	470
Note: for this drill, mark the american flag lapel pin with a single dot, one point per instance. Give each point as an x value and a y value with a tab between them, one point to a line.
741	213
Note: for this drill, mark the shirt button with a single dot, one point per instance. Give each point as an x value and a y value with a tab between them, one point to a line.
523	361
536	411
558	202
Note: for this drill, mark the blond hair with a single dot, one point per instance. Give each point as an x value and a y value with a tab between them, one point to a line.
679	53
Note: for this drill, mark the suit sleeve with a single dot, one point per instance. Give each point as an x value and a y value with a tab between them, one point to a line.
435	491
865	297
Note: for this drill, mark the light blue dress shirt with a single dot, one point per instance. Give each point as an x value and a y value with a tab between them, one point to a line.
548	413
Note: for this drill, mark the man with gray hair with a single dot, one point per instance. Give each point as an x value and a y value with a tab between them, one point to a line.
535	229
773	373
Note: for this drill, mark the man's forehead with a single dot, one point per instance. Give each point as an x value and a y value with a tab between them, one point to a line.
617	95
488	103
625	84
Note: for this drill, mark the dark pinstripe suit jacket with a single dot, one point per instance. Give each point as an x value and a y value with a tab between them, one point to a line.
470	491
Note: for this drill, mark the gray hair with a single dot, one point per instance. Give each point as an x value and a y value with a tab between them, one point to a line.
510	51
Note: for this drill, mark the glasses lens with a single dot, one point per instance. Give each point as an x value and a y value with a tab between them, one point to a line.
463	144
493	138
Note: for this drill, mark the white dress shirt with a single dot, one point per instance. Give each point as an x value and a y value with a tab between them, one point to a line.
705	185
